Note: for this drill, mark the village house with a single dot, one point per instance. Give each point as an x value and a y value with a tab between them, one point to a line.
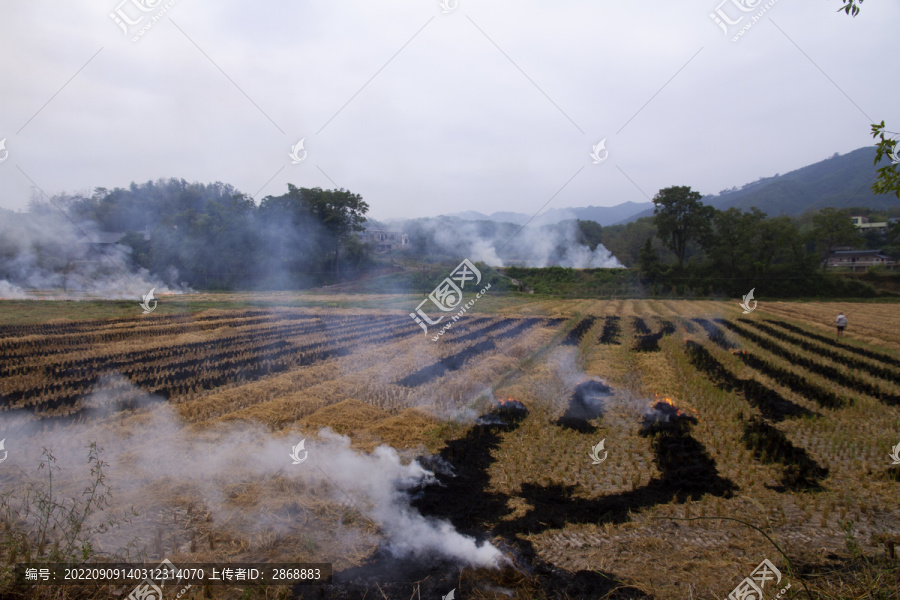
860	260
863	224
384	240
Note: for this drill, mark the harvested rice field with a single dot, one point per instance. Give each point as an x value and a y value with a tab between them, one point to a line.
471	464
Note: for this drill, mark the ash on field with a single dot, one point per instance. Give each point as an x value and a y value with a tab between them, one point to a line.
417	479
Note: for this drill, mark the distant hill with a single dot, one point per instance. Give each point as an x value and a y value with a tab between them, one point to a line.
605	215
842	181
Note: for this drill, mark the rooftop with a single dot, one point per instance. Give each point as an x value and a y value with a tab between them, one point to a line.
857	252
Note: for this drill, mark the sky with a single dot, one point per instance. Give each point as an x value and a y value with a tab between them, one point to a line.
426	108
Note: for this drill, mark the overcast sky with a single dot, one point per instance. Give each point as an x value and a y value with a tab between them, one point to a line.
489	106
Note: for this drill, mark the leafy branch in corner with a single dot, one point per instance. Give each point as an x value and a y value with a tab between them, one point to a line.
888	181
851	7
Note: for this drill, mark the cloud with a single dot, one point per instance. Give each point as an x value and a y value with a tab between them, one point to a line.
491	107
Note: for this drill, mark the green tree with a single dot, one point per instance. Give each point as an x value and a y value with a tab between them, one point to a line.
356	252
340	213
291	243
588	234
648	261
680	218
833	228
778	241
625	241
734	238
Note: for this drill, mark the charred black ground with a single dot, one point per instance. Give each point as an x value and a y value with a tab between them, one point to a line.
823	397
770	403
640	326
879	356
650	341
770	445
716	335
456	361
577	333
611	331
461	496
688	472
586	403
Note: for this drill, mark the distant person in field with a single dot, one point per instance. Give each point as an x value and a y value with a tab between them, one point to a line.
841	322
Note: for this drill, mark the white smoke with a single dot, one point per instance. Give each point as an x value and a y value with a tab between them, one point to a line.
43	254
153	451
620	410
380	480
504	244
447	235
483	251
556	246
10	291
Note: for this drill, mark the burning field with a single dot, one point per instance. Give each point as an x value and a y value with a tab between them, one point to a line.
543	449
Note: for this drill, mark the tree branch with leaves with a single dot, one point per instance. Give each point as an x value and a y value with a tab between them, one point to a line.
851	7
888	181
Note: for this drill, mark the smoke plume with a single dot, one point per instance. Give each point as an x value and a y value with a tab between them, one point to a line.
152	452
506	244
44	254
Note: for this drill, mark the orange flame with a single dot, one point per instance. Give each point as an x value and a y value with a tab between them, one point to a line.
670	402
503	402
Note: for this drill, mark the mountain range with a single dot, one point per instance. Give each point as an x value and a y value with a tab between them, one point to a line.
842	181
605	215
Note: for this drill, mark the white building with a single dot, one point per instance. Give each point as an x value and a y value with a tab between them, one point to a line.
384	240
860	260
863	223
